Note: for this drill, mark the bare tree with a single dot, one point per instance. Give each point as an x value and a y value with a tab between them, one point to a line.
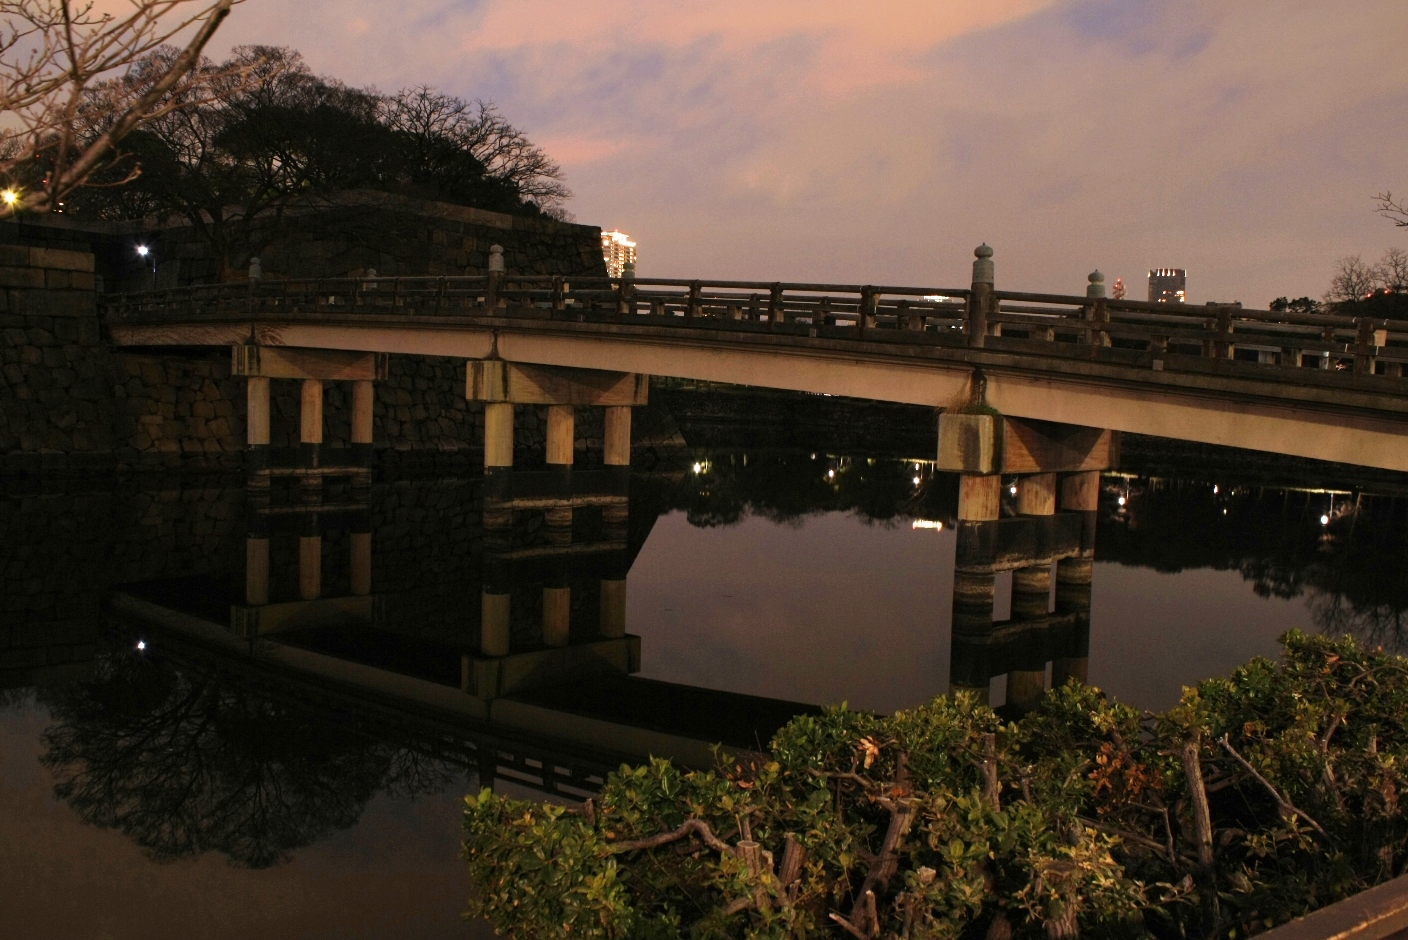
505	152
1393	270
1354	280
53	51
1394	209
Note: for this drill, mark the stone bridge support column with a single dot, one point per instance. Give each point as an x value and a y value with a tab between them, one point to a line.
974	584
1031	590
1080	493
1055	465
312	367
500	386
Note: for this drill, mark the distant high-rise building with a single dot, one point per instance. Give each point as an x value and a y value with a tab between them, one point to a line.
619	250
1168	286
1118	292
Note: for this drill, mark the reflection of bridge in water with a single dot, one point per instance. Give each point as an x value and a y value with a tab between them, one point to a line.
321	669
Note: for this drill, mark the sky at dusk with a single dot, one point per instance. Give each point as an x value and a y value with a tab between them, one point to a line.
880	142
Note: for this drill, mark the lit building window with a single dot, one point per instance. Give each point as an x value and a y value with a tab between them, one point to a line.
619	250
1168	286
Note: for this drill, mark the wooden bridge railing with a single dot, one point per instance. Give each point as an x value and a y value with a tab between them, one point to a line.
1146	335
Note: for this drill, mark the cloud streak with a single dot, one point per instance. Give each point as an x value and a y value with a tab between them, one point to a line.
819	139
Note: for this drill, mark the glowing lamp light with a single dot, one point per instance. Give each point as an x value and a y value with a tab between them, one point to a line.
699	468
141	645
916	481
10	196
831	474
142	250
1122	500
935	524
1324	520
1214	489
1012	489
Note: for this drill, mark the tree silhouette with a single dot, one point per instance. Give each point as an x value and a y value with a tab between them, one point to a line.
186	761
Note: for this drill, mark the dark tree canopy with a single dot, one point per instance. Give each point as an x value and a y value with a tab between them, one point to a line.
187	761
237	166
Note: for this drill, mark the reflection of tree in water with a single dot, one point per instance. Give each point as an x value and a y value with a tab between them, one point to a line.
185	761
1353	572
785	487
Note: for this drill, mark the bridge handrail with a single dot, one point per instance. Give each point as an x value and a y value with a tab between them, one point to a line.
1059	325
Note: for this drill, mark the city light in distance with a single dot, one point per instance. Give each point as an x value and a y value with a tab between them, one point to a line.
1012	489
698	468
916	481
142	250
141	645
1324	520
1122	500
10	196
934	524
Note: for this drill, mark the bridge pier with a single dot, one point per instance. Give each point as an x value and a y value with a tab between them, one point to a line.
503	385
1051	519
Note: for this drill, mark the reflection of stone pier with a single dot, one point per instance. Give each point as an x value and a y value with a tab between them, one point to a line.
566	548
1050	523
289	499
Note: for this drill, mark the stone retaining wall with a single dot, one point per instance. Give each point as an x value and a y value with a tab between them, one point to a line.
68	401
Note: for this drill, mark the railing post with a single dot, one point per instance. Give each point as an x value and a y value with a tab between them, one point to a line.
866	314
692	310
494	272
1363	345
1222	346
1096	313
775	311
980	298
556	301
626	291
256	271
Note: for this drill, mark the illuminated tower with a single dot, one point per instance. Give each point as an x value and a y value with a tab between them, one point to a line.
1167	286
619	250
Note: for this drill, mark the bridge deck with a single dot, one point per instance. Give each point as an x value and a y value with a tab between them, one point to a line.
1218	375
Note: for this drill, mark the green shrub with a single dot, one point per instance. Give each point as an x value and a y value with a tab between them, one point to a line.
1257	798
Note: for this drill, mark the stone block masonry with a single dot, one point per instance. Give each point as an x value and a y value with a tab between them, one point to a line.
70	402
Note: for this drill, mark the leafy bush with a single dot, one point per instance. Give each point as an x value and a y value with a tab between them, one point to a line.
1257	798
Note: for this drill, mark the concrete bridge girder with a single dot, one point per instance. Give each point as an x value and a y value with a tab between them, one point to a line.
1363	428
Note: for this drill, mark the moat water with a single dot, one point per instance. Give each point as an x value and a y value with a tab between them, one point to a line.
164	775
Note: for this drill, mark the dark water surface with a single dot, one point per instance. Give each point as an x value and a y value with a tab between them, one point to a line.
302	777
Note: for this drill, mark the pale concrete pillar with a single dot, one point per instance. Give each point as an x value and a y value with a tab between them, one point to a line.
494	629
613	608
310	567
1080	492
557	613
617	436
1031	596
310	427
561	431
1036	494
256	418
310	413
498	434
256	571
363	396
361	550
979	497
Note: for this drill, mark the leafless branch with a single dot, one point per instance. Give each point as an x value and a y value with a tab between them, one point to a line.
54	52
